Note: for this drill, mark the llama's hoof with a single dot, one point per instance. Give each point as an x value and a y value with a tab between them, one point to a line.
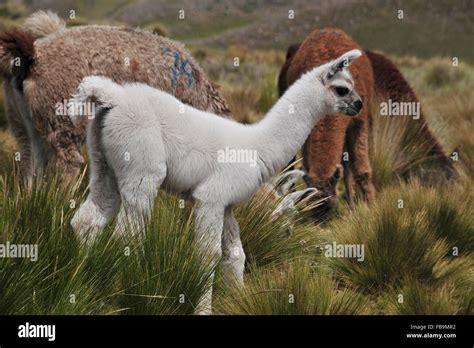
88	221
204	312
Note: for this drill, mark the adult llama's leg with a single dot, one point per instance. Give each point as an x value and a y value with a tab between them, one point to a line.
358	146
20	132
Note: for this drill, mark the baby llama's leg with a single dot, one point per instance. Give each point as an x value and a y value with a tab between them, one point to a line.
233	256
103	200
99	208
138	195
209	224
140	169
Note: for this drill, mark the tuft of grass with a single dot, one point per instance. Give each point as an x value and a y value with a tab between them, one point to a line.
265	238
457	110
56	282
397	150
417	298
268	93
107	276
242	102
165	272
415	239
295	289
12	9
271	57
441	75
157	28
436	76
7	148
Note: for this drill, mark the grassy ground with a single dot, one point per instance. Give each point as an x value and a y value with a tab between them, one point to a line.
418	258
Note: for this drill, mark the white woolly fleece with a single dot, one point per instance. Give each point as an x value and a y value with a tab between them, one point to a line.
144	139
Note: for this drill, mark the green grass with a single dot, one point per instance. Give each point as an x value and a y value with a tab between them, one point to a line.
166	274
295	289
418	298
410	229
266	239
107	276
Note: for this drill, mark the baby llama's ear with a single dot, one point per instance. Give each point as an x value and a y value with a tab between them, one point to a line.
342	62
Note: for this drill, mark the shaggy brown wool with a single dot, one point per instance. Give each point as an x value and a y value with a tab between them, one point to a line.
15	44
282	80
335	134
62	58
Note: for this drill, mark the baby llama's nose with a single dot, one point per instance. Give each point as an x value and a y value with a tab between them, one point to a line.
358	104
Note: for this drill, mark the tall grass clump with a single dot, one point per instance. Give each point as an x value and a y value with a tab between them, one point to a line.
397	150
165	273
157	28
7	155
268	239
63	279
414	297
162	273
441	74
268	92
457	109
295	289
243	102
410	229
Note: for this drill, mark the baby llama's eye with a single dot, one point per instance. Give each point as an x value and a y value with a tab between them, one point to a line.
341	91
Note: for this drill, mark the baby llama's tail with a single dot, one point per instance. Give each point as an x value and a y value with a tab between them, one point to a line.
101	91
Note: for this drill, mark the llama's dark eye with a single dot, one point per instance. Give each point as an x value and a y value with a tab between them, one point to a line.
341	91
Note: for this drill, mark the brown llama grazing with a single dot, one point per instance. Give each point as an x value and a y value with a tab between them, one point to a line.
44	62
332	136
387	82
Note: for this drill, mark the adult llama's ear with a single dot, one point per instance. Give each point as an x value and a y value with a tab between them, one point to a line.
342	62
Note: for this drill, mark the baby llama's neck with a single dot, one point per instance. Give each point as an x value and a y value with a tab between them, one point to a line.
285	128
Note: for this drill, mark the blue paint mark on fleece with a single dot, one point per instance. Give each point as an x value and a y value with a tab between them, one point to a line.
177	68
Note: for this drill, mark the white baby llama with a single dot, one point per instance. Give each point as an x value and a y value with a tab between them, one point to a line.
142	139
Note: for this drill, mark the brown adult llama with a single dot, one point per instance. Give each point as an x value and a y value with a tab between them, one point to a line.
374	74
